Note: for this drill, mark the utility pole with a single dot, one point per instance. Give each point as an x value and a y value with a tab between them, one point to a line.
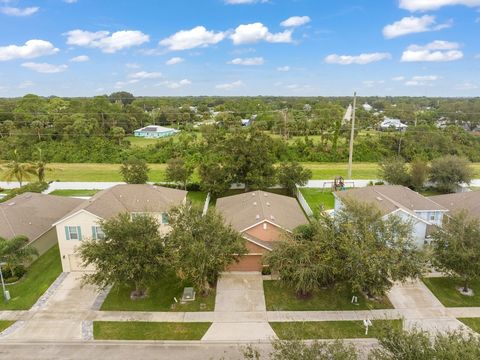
285	134
352	135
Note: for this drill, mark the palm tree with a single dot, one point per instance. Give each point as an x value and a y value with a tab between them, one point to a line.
17	170
16	252
40	166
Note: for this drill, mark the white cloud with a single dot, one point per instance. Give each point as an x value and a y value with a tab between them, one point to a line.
14	11
361	59
242	2
26	84
230	86
283	68
477	56
466	85
398	78
31	49
248	61
373	83
295	21
45	68
133	66
142	75
80	58
425	5
176	84
412	25
252	33
174	61
103	40
424	80
435	51
70	1
189	39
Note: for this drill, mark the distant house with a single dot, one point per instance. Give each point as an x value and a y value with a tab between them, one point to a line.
367	107
262	218
83	221
392	124
32	215
467	201
155	131
423	213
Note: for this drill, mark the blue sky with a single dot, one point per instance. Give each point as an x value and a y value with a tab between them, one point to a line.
240	47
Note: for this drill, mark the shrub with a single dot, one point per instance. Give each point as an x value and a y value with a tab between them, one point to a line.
36	187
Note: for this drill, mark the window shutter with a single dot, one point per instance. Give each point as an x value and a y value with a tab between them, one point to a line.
94	232
164	218
67	233
79	230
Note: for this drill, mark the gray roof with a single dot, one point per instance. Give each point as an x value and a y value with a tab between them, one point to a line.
469	201
245	210
389	198
32	214
132	198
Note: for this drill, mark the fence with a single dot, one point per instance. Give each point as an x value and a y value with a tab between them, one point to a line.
303	203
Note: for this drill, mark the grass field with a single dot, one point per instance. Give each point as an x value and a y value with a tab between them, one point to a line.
317	198
74	192
281	298
40	275
473	323
160	298
445	289
331	329
5	324
135	330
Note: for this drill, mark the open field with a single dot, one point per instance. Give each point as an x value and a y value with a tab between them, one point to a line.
133	330
331	329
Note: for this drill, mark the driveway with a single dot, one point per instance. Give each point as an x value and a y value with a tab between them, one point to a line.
240	311
61	317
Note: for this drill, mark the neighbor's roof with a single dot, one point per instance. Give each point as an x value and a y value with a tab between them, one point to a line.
469	201
156	128
389	198
131	198
245	210
32	214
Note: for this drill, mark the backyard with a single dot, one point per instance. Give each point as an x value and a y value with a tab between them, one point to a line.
318	199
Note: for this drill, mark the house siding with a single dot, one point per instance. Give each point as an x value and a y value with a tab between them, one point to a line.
270	233
46	241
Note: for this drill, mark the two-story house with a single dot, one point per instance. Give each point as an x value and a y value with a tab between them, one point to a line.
83	222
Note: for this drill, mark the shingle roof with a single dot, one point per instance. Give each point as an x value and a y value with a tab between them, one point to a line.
389	198
32	214
131	198
245	210
469	201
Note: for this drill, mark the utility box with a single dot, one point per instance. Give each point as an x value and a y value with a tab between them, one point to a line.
188	294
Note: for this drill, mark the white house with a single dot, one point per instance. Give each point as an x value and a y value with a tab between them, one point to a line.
392	124
155	131
83	222
367	107
423	213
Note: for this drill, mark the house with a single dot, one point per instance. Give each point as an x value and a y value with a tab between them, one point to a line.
367	107
83	221
262	218
392	124
423	213
155	131
32	215
466	201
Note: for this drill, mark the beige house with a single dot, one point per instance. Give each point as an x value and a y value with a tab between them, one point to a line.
32	215
262	218
467	201
83	221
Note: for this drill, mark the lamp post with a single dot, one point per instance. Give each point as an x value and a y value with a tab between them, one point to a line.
6	293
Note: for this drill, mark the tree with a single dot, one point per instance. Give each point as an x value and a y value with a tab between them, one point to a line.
375	251
394	171
118	133
215	177
122	97
200	246
131	253
16	252
292	174
418	174
134	171
178	171
40	166
456	248
449	171
17	170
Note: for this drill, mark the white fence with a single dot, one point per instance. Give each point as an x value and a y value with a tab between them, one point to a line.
304	203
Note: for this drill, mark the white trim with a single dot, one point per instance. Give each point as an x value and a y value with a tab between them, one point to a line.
261	222
410	214
256	243
74	214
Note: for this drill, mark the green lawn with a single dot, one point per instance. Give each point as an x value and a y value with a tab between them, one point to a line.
445	289
5	324
160	298
473	323
74	192
197	197
317	198
331	329
40	275
117	330
280	298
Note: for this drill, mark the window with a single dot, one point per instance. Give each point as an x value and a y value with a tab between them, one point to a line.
73	232
164	218
432	216
97	233
137	214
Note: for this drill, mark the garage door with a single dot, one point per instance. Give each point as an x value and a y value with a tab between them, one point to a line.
247	263
75	263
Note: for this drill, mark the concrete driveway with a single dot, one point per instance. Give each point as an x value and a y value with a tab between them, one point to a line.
61	317
240	311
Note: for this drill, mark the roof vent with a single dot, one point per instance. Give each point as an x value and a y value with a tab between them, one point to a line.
11	204
254	203
268	204
272	217
265	194
258	217
379	198
253	194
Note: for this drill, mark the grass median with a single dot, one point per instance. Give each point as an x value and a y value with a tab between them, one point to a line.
5	324
446	290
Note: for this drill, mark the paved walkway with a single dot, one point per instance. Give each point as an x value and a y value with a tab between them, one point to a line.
240	311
